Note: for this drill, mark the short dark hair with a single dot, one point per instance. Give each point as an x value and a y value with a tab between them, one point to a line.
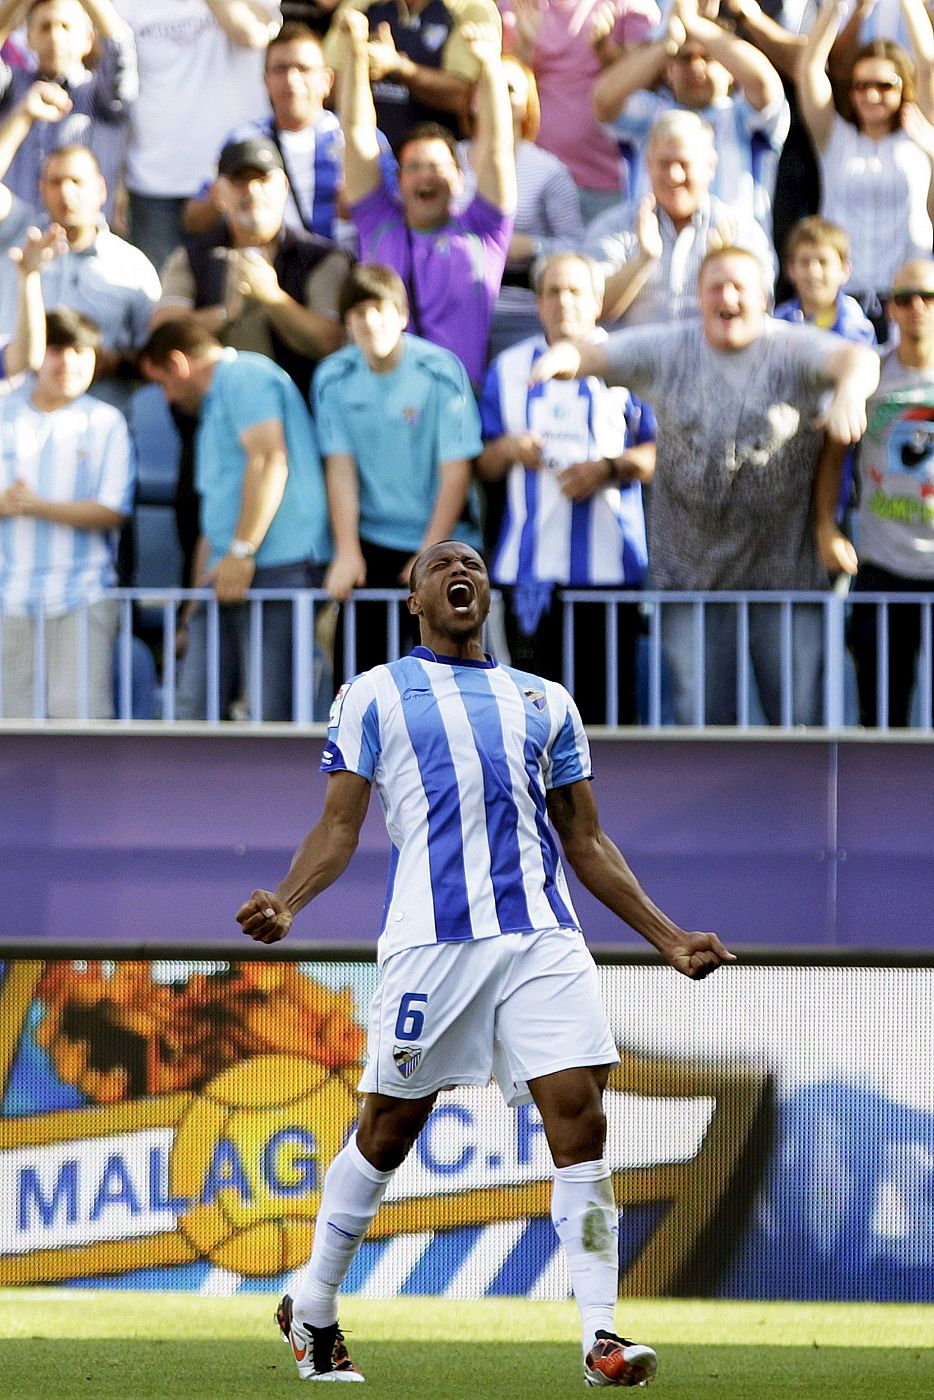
294	31
71	330
74	148
416	562
183	333
427	131
372	282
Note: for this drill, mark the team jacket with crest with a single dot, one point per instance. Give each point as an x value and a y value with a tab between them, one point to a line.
462	754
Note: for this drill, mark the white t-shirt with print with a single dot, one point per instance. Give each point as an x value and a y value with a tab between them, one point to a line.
195	85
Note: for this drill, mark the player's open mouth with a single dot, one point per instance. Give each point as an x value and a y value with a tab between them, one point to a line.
460	595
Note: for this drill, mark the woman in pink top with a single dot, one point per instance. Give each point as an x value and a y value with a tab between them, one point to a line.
567	44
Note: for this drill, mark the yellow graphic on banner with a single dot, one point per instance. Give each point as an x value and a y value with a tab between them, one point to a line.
222	1097
250	1170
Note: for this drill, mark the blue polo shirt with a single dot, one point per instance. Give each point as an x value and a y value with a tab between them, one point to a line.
399	427
246	390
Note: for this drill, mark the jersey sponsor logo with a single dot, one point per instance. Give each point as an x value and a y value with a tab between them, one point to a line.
337	704
416	692
407	1059
537	697
332	759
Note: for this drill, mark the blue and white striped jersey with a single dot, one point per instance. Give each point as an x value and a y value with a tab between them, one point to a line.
81	452
462	754
546	537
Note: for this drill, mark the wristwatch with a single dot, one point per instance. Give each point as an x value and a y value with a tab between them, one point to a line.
241	549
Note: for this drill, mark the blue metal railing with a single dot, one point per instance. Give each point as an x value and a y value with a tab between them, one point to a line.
154	613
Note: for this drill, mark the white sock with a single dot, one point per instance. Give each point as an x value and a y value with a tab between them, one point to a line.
353	1191
584	1213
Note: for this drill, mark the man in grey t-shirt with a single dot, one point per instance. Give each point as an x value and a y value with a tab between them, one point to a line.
896	493
738	398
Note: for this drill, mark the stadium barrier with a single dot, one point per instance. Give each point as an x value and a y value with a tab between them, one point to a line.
166	1121
315	623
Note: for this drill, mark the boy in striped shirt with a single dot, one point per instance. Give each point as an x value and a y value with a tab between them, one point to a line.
66	487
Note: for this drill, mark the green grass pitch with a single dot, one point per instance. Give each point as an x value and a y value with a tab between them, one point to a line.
58	1344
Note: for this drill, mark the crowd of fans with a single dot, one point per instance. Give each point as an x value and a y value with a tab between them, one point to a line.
412	271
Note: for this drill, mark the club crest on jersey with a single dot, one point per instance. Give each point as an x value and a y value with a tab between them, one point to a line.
407	1058
537	697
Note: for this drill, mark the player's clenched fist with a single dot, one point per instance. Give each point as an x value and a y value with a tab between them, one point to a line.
696	955
264	917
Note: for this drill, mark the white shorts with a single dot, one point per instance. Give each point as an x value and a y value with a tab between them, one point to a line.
516	1007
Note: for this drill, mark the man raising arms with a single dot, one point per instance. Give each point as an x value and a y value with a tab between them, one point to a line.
484	966
451	264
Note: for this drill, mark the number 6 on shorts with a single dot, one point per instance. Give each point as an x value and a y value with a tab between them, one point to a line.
410	1021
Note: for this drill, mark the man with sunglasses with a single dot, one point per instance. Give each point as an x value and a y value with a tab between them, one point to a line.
896	511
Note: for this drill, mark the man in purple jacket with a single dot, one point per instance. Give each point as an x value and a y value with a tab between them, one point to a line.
452	265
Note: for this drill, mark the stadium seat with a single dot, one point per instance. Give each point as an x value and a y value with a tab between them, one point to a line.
158	556
157	446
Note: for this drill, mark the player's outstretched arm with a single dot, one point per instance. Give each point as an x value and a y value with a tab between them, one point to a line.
325	853
601	868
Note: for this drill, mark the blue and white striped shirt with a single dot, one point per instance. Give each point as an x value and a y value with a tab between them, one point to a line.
546	537
81	452
462	754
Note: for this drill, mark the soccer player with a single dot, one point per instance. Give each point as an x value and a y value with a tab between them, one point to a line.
484	966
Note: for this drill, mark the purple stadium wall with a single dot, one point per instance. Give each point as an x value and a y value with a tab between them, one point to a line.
145	838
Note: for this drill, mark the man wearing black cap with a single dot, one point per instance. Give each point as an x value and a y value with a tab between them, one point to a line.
256	284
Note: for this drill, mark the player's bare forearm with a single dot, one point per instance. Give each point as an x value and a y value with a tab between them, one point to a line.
603	870
322	857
